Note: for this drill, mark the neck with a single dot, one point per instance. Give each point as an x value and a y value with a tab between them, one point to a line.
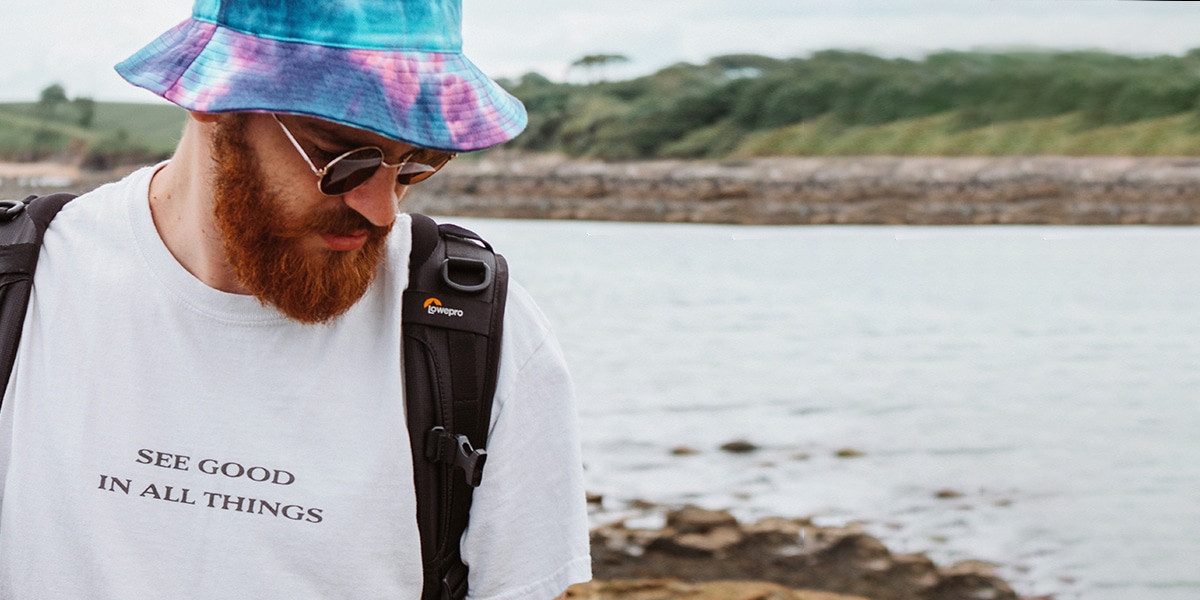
181	203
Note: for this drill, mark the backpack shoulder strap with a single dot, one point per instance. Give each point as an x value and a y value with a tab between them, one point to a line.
453	314
22	225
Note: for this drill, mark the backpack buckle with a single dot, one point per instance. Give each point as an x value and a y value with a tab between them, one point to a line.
468	275
9	209
442	446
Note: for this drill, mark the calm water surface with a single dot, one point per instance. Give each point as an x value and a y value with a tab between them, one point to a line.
1048	375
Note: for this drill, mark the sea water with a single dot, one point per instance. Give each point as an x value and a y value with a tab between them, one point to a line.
1027	396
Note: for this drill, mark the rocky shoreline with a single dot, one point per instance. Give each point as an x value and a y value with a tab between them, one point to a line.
708	555
820	191
1041	190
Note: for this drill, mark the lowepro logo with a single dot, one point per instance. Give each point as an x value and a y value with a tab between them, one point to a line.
434	307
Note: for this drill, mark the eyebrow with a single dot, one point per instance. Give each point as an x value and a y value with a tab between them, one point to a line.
326	133
335	135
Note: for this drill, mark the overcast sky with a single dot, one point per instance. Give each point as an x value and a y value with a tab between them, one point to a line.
76	42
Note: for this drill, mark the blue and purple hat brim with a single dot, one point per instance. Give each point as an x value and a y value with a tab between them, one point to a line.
436	100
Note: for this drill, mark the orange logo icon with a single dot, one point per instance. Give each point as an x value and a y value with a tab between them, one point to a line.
433	301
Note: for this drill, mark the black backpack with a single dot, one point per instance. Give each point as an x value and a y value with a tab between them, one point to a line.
452	319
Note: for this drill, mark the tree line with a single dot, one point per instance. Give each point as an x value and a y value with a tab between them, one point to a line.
707	110
80	110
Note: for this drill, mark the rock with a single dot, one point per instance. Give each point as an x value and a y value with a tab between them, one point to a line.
672	589
971	567
715	543
739	447
775	531
684	451
858	551
596	499
849	453
700	545
948	493
971	586
914	572
693	519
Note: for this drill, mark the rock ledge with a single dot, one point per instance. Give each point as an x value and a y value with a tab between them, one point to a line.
841	190
699	545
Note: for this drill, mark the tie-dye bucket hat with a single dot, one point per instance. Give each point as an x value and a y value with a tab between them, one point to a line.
394	67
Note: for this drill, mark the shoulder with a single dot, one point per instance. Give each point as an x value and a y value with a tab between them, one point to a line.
533	370
526	328
98	226
108	203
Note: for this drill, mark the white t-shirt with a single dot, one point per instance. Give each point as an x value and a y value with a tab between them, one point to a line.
163	439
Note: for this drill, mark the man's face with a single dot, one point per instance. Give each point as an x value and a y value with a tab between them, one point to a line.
308	255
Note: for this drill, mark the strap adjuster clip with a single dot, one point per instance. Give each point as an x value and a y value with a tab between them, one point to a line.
442	446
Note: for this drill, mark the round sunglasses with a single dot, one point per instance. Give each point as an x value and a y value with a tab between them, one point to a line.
355	167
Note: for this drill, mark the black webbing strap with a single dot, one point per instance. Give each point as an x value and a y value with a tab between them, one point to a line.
22	225
452	321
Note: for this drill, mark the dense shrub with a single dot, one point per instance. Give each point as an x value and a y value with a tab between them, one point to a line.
684	108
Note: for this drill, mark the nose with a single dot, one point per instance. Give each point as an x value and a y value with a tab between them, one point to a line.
378	198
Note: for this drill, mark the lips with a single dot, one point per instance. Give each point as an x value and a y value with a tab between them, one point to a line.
345	242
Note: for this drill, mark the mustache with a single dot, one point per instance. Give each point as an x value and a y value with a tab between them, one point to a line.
340	220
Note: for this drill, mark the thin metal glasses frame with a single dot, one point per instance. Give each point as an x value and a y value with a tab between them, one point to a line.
425	171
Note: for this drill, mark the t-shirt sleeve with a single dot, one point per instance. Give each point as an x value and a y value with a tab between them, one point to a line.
528	533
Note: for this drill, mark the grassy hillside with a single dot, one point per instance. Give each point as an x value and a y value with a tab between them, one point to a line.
115	132
942	135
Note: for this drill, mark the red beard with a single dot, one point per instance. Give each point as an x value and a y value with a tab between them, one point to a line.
263	242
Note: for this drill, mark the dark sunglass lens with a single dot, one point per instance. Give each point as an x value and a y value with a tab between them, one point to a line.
421	165
350	170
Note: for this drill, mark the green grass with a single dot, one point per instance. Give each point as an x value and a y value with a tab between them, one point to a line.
158	126
943	135
116	127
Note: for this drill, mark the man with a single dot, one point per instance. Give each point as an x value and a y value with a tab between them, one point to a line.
207	400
